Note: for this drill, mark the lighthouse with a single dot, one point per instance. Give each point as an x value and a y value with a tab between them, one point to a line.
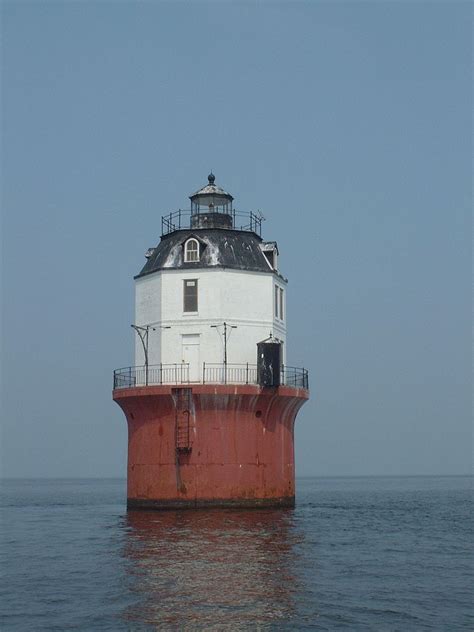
211	402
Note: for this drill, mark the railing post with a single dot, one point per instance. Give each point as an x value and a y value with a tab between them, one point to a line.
129	375
203	372
175	373
161	373
247	374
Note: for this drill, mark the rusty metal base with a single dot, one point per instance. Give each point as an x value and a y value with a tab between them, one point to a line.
200	503
210	445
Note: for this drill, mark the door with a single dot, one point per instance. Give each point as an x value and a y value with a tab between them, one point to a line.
190	355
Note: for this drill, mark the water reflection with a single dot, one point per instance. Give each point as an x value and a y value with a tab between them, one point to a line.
210	569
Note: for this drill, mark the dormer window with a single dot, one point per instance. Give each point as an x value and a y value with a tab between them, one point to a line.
191	250
270	251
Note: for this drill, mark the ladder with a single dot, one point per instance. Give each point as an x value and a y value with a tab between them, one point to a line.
182	400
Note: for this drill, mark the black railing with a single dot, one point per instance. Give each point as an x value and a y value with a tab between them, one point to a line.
211	374
181	220
293	376
229	373
153	374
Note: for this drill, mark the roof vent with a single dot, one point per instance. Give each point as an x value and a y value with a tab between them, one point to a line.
149	253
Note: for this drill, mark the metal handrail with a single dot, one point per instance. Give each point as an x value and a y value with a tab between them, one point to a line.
212	373
229	373
128	377
181	220
294	376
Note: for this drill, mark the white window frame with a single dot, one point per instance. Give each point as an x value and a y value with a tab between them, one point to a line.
187	250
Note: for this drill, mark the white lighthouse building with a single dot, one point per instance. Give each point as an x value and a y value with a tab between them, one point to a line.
208	293
210	403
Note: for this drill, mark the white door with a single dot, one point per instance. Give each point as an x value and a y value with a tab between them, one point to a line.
191	355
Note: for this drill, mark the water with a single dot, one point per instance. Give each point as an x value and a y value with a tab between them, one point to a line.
356	554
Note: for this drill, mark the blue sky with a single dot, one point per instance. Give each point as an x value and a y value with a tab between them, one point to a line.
347	124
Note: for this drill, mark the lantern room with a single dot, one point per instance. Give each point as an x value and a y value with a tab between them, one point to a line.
211	199
211	206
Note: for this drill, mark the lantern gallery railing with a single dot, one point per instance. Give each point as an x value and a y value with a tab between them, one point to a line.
181	219
210	374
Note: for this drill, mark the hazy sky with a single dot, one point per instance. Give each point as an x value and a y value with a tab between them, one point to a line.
347	124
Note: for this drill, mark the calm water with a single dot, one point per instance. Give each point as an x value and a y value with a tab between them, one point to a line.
356	554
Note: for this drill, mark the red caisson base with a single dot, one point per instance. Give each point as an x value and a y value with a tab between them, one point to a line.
210	445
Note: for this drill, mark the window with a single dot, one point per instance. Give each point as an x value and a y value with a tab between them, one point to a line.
191	250
270	258
190	295
279	302
270	252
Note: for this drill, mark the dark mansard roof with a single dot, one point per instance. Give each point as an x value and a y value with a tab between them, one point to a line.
235	249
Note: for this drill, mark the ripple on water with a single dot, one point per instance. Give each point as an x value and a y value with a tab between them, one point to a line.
356	554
